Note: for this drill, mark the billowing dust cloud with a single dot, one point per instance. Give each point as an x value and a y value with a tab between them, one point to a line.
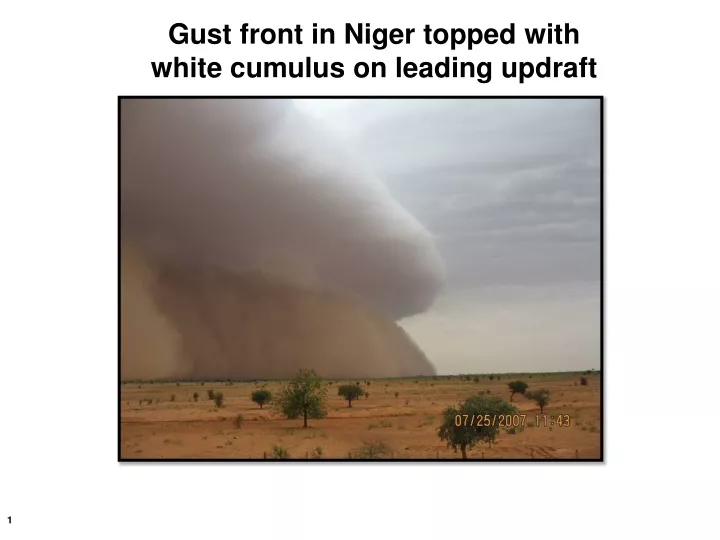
252	247
150	344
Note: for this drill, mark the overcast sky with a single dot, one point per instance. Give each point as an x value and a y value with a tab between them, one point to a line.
510	189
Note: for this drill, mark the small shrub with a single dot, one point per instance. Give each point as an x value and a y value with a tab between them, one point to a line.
238	422
476	379
397	394
317	453
211	394
371	450
278	452
218	398
583	381
195	396
367	395
172	397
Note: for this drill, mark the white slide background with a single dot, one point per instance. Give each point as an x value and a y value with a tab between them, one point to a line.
63	66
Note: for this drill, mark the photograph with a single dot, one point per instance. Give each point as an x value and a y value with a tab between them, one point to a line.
360	278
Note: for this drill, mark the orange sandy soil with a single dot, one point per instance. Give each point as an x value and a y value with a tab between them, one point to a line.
407	423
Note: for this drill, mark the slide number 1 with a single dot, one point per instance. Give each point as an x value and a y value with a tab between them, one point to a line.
9	519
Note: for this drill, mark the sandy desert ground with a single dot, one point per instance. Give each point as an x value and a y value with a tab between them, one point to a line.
406	424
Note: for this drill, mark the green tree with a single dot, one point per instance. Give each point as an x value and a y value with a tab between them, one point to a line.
350	392
304	396
471	417
541	397
517	387
261	397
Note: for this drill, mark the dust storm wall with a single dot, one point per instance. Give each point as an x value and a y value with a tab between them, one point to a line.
254	248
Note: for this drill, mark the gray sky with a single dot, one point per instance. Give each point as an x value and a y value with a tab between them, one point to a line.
510	190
